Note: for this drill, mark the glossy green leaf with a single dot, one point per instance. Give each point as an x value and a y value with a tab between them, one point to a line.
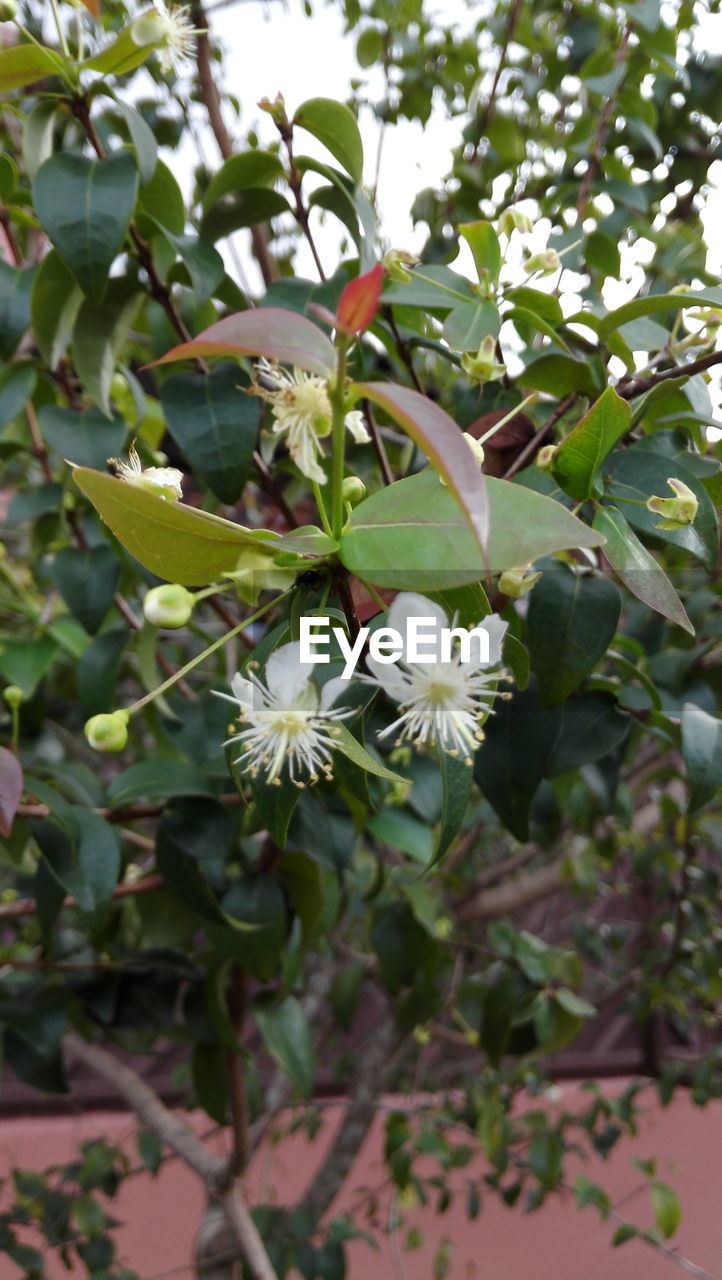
161	201
215	425
571	620
87	579
415	527
122	55
38	127
21	64
468	324
143	139
560	374
433	287
205	264
582	452
264	331
637	569
484	244
654	303
157	780
287	1037
98	335
15	286
456	779
54	305
637	473
25	664
345	742
249	169
591	727
85	207
335	126
431	428
702	754
178	543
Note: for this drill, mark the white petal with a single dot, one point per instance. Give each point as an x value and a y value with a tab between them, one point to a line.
332	690
286	676
409	604
356	425
496	627
389	677
243	690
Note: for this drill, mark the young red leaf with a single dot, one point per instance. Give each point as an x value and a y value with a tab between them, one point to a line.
359	301
11	789
263	331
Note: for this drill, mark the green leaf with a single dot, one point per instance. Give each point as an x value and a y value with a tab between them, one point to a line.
98	335
15	286
54	305
161	201
574	1004
468	324
400	830
143	139
484	244
582	453
571	621
637	569
17	384
345	742
25	664
178	543
666	1208
626	1232
122	55
302	881
38	127
204	263
654	303
287	1037
250	169
24	63
602	253
637	474
98	853
87	439
215	425
208	1067
558	375
702	754
96	673
456	779
245	209
415	527
335	126
87	579
438	435
275	804
432	287
591	727
264	331
85	207
157	780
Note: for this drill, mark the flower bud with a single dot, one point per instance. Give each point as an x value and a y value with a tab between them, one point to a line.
108	732
13	695
545	262
678	512
8	11
275	109
169	605
353	490
484	366
516	583
396	262
514	220
545	457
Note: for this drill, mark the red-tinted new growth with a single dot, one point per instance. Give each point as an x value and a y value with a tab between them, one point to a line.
359	301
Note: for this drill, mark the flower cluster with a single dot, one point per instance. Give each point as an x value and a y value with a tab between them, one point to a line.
302	413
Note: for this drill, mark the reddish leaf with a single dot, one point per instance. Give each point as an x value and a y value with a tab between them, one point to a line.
359	301
441	440
264	331
11	789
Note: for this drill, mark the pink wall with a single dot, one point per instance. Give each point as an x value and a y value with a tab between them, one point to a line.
558	1243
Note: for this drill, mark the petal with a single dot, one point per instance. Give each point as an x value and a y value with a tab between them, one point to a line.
388	677
496	628
287	677
332	690
356	425
243	690
409	604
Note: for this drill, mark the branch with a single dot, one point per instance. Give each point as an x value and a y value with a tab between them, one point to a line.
630	387
530	448
247	1234
503	899
211	1169
29	907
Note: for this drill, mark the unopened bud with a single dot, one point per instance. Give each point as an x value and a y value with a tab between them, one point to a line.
678	512
13	695
169	605
353	490
275	109
108	732
545	457
396	262
545	262
516	583
484	366
421	1035
8	11
514	220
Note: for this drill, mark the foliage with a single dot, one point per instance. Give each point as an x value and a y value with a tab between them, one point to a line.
254	889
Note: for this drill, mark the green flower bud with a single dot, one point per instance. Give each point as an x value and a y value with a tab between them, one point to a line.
514	220
396	262
168	606
545	262
108	732
545	457
13	695
678	512
8	11
516	583
353	490
484	366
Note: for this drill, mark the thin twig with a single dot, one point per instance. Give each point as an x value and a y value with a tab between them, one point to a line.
530	448
377	442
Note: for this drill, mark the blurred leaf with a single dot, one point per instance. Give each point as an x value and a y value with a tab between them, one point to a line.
87	580
637	569
571	620
11	789
287	1037
334	125
54	305
17	384
21	64
98	335
666	1208
15	286
702	754
38	128
264	331
86	439
215	424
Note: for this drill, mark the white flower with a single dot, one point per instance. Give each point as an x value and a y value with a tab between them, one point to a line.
286	719
442	701
165	482
171	30
302	412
